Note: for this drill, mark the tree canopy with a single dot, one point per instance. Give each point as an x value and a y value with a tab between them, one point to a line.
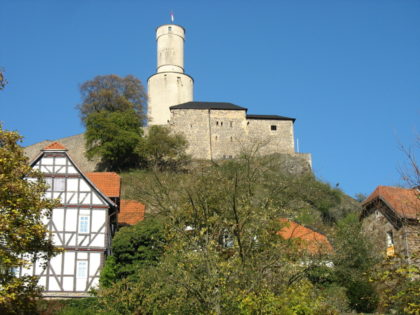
24	237
3	80
164	150
114	138
112	93
224	255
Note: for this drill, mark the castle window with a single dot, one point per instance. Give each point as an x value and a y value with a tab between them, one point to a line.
231	124
217	123
273	127
216	137
221	123
231	139
169	28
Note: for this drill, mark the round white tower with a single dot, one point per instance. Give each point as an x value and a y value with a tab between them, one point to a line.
169	86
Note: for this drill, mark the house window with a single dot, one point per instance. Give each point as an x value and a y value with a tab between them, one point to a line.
59	184
390	250
83	224
273	127
81	272
389	239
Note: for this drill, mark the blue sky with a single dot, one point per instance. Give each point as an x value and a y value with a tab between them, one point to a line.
349	71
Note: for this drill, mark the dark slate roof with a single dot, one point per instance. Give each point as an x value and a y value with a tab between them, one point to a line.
208	105
269	117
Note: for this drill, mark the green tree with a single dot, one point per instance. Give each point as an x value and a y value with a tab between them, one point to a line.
354	260
398	284
23	238
112	93
3	80
164	150
114	137
134	247
224	254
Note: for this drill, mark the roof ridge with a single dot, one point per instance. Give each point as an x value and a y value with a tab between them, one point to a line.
55	146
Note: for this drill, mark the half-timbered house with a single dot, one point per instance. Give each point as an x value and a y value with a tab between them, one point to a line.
82	225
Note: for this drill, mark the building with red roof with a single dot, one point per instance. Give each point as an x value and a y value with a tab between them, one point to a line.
131	212
83	224
390	217
306	239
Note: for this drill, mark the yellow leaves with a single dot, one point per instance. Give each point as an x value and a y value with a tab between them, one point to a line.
23	234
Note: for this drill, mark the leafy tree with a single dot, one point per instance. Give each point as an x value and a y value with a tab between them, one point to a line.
353	261
133	247
3	80
224	254
23	238
398	283
112	93
164	150
114	137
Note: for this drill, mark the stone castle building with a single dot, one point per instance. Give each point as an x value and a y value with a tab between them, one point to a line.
214	130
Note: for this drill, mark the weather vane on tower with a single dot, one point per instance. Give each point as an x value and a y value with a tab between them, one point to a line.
172	16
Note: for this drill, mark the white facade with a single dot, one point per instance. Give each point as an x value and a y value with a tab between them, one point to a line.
81	225
170	85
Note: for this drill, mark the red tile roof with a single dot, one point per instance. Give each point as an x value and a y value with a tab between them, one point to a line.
131	212
109	183
55	146
404	202
311	241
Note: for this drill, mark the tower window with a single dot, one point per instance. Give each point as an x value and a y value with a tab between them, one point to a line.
231	139
231	124
273	127
217	123
170	28
221	123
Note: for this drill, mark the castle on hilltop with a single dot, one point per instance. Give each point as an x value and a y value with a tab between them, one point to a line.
214	130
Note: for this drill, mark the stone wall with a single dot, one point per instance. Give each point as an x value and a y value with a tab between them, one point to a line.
224	134
280	140
406	238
